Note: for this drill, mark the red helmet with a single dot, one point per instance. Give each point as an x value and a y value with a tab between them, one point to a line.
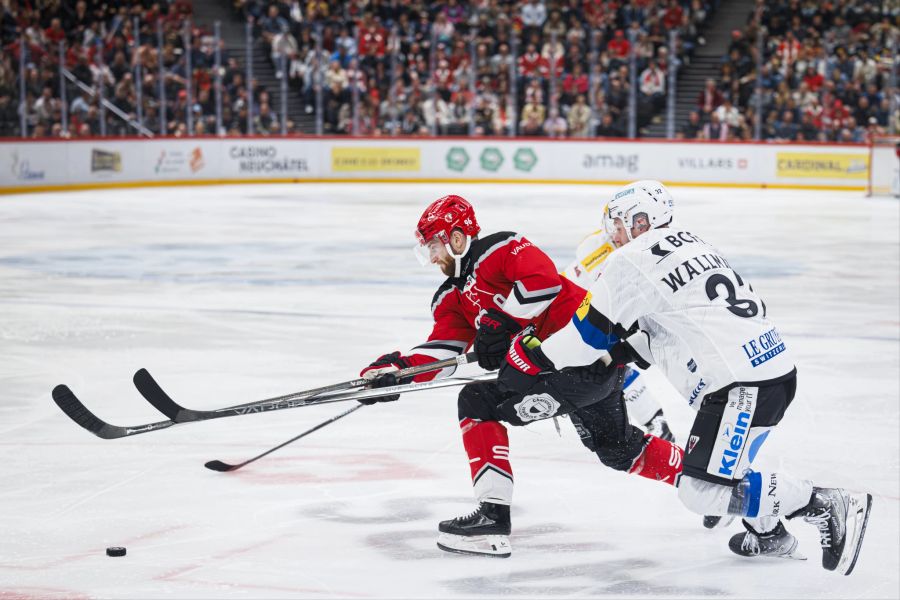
443	216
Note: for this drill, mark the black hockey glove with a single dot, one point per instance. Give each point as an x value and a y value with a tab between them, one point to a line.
382	374
495	331
524	362
596	372
622	354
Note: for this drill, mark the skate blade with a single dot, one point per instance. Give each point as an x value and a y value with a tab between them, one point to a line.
495	546
858	511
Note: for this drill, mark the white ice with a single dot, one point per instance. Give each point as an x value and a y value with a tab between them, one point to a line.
232	294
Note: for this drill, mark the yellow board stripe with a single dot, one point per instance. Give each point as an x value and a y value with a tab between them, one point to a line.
194	182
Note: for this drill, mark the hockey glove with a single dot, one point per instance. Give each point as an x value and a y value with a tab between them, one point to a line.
624	353
524	362
495	330
381	373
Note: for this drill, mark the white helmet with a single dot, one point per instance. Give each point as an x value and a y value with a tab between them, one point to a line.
646	197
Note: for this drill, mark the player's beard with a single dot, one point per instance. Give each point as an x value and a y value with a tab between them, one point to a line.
448	266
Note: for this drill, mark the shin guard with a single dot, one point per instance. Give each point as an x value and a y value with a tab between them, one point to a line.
487	445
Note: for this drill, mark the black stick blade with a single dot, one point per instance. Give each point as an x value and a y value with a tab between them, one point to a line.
65	399
218	465
155	395
73	407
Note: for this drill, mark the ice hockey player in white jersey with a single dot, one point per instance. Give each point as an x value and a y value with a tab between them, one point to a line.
709	332
643	407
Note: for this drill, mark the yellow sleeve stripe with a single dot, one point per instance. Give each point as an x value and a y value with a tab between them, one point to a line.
582	310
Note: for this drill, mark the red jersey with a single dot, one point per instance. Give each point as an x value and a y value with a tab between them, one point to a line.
503	271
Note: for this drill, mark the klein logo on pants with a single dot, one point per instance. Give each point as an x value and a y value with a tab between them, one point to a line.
535	407
725	460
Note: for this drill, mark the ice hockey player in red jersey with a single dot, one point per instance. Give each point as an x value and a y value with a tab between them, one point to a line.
497	285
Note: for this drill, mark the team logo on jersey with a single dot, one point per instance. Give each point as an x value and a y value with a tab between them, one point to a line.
535	407
692	366
656	250
692	442
764	347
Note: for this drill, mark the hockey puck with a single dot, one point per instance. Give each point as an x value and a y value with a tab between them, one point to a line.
115	551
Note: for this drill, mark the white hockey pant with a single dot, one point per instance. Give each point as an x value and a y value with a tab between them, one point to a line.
760	497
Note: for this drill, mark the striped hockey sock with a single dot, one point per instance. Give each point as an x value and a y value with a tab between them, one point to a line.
487	445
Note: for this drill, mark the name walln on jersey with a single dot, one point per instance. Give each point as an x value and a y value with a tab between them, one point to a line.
693	267
766	346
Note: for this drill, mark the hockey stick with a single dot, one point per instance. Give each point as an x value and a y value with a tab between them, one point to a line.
67	401
218	465
187	415
154	394
75	409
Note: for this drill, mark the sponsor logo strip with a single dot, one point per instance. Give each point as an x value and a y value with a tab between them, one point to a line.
731	439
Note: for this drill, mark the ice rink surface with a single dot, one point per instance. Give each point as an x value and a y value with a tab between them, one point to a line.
233	294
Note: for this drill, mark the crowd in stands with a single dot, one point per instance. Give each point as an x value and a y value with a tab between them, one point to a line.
825	75
534	68
110	50
487	67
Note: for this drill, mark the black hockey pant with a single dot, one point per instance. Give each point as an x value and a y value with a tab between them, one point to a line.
595	405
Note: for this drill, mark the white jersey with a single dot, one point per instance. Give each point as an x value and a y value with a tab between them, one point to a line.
590	254
706	326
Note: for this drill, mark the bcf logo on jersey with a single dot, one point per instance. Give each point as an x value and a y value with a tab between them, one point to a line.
536	406
733	429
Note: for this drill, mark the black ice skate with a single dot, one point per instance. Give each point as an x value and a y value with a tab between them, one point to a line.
658	426
841	518
484	532
778	543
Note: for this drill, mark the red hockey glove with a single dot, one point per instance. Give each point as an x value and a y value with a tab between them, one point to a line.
524	362
381	373
495	331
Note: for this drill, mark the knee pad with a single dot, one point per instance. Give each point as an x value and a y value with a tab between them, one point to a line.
619	453
704	497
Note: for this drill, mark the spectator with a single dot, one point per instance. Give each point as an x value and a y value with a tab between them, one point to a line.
535	110
531	125
653	85
608	127
555	126
786	129
580	118
710	98
715	130
728	113
691	129
533	15
619	48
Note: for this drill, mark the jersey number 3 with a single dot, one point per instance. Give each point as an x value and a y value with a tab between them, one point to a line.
742	307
